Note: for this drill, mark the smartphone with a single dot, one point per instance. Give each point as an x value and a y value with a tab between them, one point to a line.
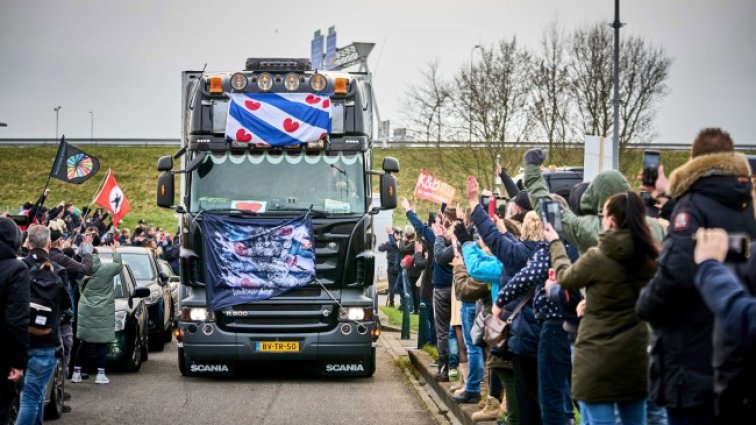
650	167
551	212
738	247
752	162
443	207
484	200
431	218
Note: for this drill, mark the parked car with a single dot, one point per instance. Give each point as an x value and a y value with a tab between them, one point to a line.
560	181
144	267
131	343
173	281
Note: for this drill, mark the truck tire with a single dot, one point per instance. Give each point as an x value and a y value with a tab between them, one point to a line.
157	342
184	362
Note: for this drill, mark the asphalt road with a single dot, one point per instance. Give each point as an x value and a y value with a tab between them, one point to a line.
158	394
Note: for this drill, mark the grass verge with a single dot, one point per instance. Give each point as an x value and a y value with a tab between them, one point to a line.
395	318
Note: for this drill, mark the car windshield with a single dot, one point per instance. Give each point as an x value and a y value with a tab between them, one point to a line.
141	265
260	182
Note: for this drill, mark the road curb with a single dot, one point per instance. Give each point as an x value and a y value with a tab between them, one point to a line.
462	412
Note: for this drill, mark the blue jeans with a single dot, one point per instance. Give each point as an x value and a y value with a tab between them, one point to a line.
553	372
40	367
631	413
474	353
453	349
430	326
655	414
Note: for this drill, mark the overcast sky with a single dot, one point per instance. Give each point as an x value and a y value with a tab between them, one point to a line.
123	60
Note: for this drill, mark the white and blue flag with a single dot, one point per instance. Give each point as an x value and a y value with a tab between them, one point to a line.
278	119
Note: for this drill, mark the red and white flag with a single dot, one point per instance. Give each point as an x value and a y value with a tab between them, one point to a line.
111	198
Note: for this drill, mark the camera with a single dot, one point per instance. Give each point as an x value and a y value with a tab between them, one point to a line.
738	247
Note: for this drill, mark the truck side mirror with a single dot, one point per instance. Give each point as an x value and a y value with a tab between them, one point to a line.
390	164
165	163
165	190
388	192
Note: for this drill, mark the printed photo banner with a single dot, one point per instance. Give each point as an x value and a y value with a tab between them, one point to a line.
432	189
249	260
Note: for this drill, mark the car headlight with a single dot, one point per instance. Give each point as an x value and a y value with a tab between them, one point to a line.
155	295
355	313
120	320
197	314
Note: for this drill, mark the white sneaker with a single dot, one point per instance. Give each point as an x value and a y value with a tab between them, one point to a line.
76	377
102	379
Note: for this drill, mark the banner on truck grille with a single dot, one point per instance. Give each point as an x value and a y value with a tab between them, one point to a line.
255	259
278	119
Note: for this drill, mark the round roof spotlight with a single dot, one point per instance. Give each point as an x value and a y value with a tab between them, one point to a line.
318	82
239	81
291	82
265	82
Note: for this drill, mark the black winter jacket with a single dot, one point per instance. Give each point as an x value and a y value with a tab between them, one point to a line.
711	191
14	301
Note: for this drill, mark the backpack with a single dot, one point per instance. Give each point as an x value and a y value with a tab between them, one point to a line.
44	296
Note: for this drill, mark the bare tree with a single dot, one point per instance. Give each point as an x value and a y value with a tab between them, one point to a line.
496	98
643	74
551	101
426	103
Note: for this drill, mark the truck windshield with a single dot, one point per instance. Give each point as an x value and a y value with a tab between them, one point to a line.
263	182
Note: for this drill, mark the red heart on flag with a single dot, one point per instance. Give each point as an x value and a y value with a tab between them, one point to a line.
290	125
243	136
252	105
326	103
312	100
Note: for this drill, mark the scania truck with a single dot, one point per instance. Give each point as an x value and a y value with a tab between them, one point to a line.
331	321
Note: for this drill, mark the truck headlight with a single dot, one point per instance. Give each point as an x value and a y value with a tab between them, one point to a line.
120	320
197	314
355	313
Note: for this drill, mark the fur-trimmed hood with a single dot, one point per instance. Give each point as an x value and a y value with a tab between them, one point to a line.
717	164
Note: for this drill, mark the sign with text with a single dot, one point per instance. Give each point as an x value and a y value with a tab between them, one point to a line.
432	189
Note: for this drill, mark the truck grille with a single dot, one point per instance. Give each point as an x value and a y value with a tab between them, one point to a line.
279	318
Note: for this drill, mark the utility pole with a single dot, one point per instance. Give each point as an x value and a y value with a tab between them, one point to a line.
57	112
616	102
91	126
477	46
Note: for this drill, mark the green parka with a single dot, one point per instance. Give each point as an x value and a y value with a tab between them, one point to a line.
97	303
583	230
611	358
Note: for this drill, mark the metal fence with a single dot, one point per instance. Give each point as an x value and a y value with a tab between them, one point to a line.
160	142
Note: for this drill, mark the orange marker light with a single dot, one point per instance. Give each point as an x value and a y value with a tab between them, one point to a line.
216	85
341	86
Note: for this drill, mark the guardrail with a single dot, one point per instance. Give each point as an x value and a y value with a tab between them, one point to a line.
159	142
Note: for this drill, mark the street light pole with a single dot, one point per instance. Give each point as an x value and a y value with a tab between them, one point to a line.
615	139
57	111
477	46
91	125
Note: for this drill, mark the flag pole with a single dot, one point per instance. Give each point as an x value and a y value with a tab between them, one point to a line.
38	203
99	188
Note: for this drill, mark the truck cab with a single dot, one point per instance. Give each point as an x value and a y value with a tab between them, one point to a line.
235	173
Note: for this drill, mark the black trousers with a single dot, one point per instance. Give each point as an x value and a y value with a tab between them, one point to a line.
526	385
7	395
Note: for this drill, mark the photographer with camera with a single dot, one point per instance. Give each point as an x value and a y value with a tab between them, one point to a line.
731	298
712	188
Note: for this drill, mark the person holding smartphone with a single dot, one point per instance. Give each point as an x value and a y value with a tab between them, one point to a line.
712	188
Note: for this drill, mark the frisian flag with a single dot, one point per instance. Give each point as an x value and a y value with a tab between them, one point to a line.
278	119
72	165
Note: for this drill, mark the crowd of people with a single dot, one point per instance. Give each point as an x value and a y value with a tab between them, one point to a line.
634	312
57	296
